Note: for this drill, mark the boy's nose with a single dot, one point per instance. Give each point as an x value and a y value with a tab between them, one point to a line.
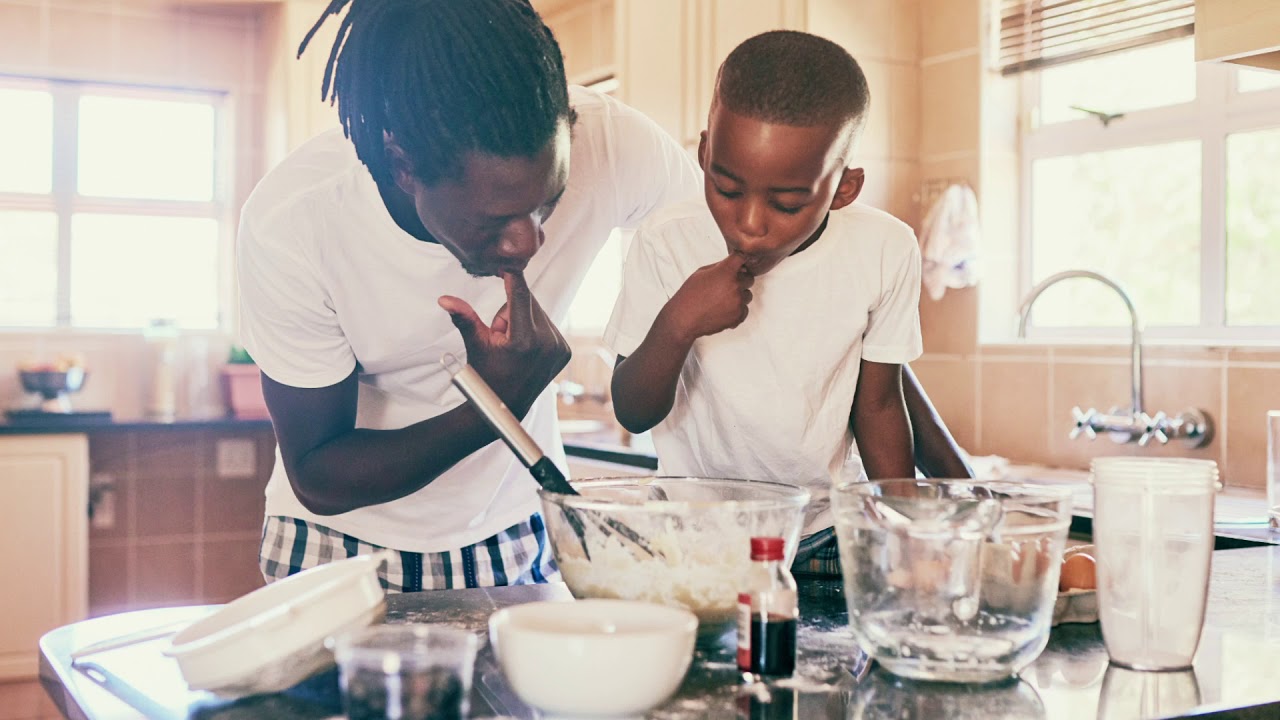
751	222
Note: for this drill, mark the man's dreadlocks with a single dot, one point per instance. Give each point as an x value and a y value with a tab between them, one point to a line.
443	78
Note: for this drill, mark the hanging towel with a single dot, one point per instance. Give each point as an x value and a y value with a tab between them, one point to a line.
949	241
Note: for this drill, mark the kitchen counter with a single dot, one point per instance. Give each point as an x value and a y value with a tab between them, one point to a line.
94	424
1234	674
1241	511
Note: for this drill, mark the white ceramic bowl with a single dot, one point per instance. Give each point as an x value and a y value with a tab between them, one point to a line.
594	658
274	637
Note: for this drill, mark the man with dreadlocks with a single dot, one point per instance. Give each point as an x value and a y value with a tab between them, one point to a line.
363	261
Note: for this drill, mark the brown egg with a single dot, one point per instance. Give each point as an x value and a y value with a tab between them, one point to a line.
1080	571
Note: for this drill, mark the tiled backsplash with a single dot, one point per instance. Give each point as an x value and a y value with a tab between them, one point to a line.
1015	401
181	535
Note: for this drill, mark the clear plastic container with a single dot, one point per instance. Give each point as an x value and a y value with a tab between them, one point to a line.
406	672
951	581
1153	532
1128	694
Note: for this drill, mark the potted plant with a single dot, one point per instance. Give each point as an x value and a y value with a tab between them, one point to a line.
242	386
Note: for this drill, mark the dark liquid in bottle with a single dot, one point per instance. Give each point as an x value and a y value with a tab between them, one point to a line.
773	646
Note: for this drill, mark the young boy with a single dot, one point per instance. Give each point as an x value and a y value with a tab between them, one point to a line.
762	334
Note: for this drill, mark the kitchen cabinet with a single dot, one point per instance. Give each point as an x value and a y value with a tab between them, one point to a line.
293	110
585	33
44	483
1239	31
668	52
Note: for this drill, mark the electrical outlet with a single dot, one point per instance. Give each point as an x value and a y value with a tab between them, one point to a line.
102	501
237	458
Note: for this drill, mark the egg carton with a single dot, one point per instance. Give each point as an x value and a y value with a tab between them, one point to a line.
1076	605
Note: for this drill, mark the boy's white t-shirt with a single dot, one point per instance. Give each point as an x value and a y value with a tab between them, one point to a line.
330	283
771	399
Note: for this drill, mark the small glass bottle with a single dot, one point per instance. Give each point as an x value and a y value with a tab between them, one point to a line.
768	609
162	334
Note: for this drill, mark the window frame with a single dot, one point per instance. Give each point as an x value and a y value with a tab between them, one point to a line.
1218	110
65	201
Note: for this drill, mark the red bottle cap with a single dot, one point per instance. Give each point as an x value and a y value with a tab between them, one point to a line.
767	548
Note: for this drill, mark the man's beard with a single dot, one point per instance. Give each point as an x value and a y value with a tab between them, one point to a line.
476	272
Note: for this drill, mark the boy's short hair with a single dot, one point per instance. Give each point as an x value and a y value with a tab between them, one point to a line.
793	78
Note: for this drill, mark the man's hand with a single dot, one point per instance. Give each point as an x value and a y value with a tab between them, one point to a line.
520	352
714	298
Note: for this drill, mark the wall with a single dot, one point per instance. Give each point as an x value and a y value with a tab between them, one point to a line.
151	43
584	31
294	111
181	535
1016	400
884	37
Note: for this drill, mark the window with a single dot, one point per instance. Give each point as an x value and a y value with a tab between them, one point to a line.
593	304
1159	172
111	206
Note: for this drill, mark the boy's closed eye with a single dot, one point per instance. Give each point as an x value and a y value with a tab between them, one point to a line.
780	207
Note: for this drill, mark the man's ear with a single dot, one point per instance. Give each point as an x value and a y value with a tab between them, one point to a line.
401	167
702	151
851	182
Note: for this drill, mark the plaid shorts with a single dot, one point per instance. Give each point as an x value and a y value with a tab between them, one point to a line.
519	555
818	554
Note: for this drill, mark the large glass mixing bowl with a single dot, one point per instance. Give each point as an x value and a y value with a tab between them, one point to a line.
694	548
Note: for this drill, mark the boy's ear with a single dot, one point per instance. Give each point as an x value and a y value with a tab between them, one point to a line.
850	187
401	167
702	151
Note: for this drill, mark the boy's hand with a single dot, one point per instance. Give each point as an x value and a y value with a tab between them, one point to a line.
713	299
520	352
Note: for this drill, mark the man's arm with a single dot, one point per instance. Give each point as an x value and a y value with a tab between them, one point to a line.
334	467
880	423
937	453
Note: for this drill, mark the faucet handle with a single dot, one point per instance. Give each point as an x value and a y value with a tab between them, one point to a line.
1154	427
1084	423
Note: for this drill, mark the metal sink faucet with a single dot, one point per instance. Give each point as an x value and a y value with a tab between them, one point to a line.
1130	424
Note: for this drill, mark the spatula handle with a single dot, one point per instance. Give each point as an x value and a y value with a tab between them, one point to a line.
494	411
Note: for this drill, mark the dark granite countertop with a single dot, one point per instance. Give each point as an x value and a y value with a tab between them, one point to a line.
87	423
1234	676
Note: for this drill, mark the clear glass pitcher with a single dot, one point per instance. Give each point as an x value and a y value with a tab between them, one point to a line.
951	581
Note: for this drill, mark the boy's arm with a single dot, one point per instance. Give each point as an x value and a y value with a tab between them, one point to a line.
712	299
937	453
644	383
880	423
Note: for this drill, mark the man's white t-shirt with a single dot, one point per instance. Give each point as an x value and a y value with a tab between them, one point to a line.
329	283
771	399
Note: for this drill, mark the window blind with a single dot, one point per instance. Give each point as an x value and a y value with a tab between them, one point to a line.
1038	33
